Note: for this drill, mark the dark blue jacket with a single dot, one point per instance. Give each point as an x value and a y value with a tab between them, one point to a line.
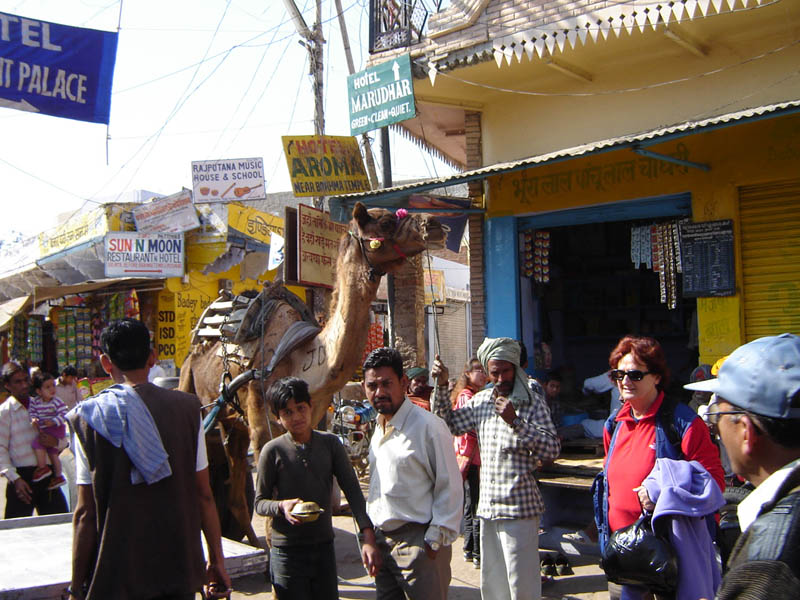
668	445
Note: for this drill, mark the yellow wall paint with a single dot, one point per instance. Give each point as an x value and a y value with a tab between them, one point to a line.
746	154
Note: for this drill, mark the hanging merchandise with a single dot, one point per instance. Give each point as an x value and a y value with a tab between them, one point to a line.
541	257
640	247
374	339
34	339
97	329
116	308
132	305
658	247
18	339
83	338
526	254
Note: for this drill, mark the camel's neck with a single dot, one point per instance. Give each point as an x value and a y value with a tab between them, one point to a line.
345	333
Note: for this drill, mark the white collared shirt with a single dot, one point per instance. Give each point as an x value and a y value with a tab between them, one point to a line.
749	508
414	477
16	436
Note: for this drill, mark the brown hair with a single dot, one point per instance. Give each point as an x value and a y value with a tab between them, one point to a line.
462	381
645	350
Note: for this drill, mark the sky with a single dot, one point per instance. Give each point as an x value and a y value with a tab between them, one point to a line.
193	80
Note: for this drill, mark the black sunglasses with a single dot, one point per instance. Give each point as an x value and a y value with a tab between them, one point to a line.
634	375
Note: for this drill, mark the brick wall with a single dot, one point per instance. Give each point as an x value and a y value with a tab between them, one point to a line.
472	129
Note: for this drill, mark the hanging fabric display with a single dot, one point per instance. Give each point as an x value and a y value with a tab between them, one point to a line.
640	246
658	247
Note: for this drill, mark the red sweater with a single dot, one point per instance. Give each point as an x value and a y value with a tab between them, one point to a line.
634	457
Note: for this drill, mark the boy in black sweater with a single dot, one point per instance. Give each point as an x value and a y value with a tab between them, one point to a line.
299	467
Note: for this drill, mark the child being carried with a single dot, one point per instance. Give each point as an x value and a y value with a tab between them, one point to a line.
48	415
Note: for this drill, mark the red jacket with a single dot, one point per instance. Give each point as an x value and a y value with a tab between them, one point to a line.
467	443
634	457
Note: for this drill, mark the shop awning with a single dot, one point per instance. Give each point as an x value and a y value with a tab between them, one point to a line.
77	264
11	308
42	294
340	206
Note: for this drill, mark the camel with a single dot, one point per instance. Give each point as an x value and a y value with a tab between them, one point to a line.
378	242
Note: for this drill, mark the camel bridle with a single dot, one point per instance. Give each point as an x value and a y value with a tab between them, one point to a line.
374	272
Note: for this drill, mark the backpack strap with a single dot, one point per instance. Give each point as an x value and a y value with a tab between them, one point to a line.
666	419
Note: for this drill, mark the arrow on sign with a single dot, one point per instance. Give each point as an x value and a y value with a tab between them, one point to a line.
21	105
396	69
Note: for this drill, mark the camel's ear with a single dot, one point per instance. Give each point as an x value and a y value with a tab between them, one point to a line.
360	214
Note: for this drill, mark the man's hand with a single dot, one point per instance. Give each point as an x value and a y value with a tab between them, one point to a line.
439	372
430	552
23	490
35	423
217	577
286	507
371	557
505	409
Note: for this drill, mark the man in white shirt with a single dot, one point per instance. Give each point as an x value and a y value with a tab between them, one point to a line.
17	458
415	491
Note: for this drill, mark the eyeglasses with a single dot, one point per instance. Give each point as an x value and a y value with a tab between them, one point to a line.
634	375
713	415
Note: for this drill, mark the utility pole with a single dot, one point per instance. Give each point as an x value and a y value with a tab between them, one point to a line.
373	175
313	42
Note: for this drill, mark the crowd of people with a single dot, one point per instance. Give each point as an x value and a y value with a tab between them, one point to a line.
456	457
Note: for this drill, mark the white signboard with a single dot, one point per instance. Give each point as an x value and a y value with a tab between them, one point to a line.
172	214
137	254
230	179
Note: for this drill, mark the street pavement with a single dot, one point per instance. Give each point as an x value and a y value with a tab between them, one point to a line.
588	581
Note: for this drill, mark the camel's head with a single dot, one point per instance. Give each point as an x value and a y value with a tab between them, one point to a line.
388	238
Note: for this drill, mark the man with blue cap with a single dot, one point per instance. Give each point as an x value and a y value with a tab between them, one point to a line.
515	432
756	409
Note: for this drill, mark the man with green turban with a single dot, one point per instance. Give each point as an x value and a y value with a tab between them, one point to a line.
514	433
419	392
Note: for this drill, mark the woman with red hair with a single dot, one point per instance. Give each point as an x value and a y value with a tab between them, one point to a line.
642	430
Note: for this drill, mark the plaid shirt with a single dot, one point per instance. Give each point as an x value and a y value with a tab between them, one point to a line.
16	436
509	453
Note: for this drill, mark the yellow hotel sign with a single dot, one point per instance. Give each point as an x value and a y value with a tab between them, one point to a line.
325	165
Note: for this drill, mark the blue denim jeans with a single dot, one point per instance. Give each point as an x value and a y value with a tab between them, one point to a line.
306	572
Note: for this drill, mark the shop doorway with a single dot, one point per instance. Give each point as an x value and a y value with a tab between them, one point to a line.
595	294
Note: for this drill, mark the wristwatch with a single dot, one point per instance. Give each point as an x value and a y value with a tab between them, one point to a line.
516	422
434	546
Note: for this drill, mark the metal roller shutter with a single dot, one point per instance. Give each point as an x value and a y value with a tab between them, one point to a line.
770	232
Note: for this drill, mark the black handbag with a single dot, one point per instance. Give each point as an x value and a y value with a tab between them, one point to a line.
636	555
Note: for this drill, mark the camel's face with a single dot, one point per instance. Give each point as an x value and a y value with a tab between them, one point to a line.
388	240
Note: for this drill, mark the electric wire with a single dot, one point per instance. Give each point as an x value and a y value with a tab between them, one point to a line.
247	91
291	120
182	99
246	44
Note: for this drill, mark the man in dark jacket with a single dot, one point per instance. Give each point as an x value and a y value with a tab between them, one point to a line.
756	408
143	491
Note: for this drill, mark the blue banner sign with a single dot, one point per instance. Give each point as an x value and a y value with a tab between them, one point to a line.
55	69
